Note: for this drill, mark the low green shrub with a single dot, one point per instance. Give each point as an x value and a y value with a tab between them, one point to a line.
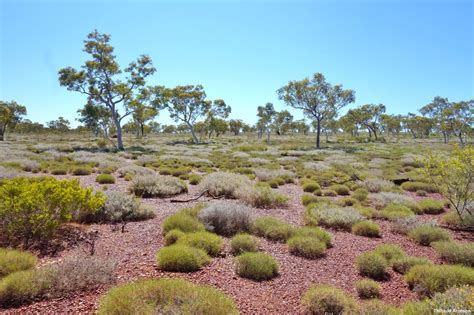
347	201
242	243
22	287
306	246
272	228
183	222
430	279
431	206
256	266
415	186
149	186
403	264
310	186
194	179
59	171
325	299
367	228
329	193
390	252
368	289
14	260
81	170
395	211
426	234
307	199
105	179
341	190
172	236
209	242
315	232
455	253
372	265
181	258
165	295
361	194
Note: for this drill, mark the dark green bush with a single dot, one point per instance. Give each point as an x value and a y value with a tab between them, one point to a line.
165	295
194	179
58	171
310	186
429	279
426	234
81	170
181	258
105	179
372	265
256	266
325	299
367	228
272	228
368	289
242	243
341	190
306	246
14	260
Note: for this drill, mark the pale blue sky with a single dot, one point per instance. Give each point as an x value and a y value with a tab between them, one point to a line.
399	53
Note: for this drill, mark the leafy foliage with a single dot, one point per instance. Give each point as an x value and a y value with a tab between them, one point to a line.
33	209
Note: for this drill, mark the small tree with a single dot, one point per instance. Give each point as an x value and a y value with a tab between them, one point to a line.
368	116
11	114
188	103
282	122
95	118
317	98
235	126
100	79
61	124
265	115
454	178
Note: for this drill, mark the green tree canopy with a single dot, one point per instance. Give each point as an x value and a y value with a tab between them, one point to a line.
317	98
11	114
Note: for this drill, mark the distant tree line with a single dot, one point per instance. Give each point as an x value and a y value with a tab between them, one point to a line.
116	95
